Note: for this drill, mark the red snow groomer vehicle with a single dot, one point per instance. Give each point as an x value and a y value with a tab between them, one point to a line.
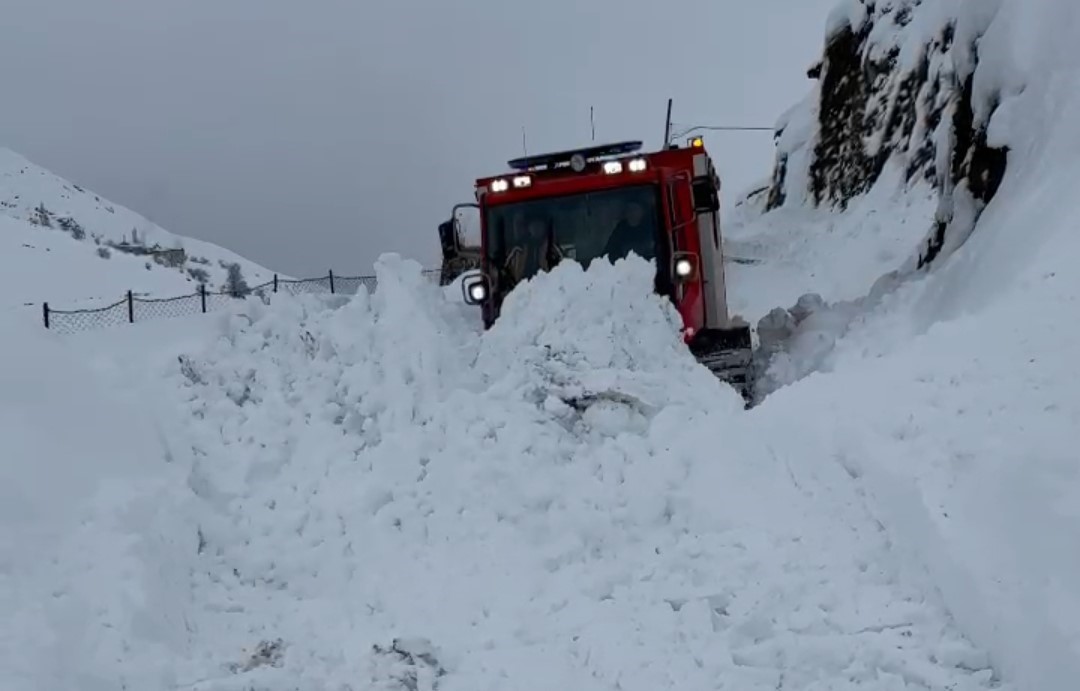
605	202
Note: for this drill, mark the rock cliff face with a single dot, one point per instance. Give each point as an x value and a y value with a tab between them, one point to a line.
896	85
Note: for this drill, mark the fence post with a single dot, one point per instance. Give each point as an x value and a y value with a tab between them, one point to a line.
45	313
275	283
202	296
331	280
131	308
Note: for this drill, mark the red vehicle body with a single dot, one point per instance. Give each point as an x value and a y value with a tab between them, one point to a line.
583	202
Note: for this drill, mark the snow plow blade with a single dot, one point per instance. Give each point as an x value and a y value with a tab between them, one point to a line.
728	354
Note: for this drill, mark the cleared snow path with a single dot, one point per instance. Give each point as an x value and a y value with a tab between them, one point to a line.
379	470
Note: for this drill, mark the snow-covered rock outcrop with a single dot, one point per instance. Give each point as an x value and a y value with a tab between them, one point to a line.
902	83
884	168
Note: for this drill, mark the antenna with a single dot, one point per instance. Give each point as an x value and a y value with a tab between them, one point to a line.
667	125
524	148
592	123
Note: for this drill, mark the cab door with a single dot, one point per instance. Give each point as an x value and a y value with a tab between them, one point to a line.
682	225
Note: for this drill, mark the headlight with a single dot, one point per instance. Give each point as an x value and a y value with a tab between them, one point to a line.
478	291
637	165
499	186
683	267
612	167
522	181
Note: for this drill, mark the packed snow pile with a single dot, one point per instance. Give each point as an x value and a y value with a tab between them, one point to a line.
390	499
69	246
578	337
94	550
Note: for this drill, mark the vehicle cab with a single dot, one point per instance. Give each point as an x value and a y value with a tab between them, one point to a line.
604	202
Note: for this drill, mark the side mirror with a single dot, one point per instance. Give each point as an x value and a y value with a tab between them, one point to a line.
475	288
706	196
685	266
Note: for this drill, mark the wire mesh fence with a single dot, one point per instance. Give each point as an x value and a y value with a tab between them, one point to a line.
132	308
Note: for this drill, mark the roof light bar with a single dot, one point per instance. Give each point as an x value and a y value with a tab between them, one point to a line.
550	160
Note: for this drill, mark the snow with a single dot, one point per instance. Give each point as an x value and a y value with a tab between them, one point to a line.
845	15
362	477
970	455
794	250
954	394
86	538
43	265
51	264
797	134
373	492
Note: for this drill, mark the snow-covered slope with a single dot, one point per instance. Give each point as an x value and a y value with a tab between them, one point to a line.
64	244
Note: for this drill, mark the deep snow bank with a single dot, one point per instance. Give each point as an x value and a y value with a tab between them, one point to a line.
966	439
375	469
91	578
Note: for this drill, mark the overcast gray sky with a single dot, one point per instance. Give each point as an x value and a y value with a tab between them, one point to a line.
317	134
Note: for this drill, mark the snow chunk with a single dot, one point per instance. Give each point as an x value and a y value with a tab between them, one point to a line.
846	14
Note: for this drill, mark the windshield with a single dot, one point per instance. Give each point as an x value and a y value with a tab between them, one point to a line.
527	237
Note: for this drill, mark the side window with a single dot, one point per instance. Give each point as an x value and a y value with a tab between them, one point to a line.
673	238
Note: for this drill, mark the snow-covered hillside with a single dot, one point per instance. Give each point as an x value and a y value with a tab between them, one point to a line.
66	245
373	493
